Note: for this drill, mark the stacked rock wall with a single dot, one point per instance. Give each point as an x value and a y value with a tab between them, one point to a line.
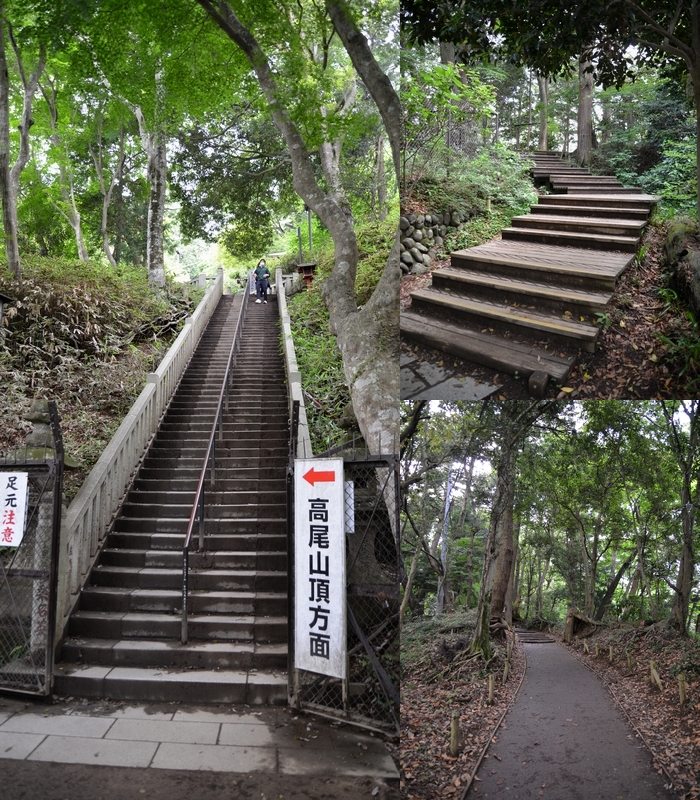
421	232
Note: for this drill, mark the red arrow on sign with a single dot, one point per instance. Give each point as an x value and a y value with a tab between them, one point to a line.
319	477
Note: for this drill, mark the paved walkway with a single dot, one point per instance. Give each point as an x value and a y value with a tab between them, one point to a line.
564	739
151	738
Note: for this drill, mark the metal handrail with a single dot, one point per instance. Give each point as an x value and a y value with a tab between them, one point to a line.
198	504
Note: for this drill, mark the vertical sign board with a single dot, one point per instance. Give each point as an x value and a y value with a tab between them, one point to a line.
320	641
13	507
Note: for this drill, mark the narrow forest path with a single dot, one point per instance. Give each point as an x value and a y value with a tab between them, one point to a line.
563	739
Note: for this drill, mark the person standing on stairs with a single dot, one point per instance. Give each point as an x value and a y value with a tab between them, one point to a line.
262	281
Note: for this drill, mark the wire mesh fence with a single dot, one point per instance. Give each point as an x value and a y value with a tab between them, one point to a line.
370	695
28	568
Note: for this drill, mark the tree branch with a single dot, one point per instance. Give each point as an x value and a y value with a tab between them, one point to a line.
377	83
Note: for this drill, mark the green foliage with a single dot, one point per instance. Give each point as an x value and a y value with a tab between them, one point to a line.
328	399
683	351
419	637
675	176
497	177
64	311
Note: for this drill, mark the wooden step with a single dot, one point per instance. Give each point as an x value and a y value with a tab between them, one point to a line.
579	267
490	286
504	316
602	200
491	350
626	244
590	210
588	224
589	189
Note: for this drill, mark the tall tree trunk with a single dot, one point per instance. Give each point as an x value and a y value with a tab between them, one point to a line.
380	180
157	178
406	599
367	338
107	189
512	590
584	146
686	567
498	554
7	195
65	177
543	90
605	600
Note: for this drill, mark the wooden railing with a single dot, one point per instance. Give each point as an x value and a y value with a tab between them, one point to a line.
87	520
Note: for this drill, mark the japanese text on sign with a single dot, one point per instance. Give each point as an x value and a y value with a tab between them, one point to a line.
320	633
13	504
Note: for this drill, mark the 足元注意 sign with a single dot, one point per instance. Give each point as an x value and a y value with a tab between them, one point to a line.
13	507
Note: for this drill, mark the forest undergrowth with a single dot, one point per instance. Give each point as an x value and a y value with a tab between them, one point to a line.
328	408
670	730
85	336
439	676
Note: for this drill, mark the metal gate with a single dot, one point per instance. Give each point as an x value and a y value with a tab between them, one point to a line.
370	695
28	573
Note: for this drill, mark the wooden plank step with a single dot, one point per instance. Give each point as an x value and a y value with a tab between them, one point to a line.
584	176
576	333
603	200
591	210
592	190
588	224
492	350
465	280
596	241
574	266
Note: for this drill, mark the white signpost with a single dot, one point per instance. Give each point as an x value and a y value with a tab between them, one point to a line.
13	507
320	641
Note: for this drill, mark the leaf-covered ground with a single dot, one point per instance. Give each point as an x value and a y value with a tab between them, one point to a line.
438	678
670	731
85	336
648	347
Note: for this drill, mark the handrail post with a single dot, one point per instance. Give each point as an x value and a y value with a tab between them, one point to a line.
185	576
201	519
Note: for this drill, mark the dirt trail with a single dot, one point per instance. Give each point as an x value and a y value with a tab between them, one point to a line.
565	740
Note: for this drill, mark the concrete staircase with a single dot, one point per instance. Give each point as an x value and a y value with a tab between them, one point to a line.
526	304
123	640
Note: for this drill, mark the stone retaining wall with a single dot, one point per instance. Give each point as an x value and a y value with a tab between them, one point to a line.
420	233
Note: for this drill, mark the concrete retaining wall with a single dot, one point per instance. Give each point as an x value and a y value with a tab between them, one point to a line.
303	443
87	520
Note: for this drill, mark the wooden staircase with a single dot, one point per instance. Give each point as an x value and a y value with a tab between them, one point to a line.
526	304
123	639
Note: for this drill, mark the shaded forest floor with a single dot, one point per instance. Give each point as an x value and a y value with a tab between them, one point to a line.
647	347
438	677
671	731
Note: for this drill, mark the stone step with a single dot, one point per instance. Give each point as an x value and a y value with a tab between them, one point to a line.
259	687
169	653
207	559
189	483
214	527
120	598
223	512
154	625
505	317
212	579
215	496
